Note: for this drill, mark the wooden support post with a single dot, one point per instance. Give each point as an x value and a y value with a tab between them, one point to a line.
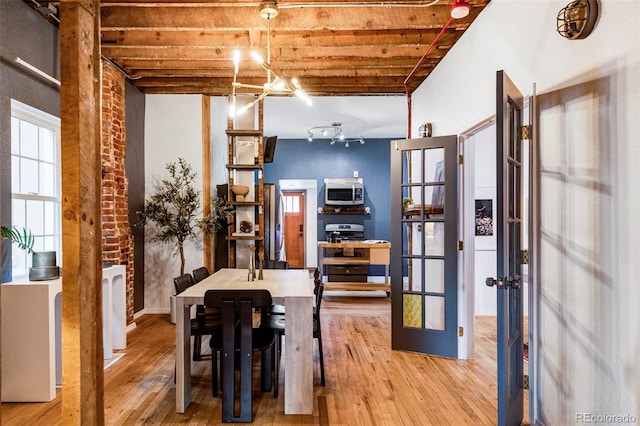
206	176
82	351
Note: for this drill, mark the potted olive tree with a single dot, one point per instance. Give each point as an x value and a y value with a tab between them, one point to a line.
175	211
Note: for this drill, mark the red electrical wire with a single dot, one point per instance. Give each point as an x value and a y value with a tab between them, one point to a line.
406	88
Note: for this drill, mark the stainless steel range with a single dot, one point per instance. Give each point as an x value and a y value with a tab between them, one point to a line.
337	232
343	233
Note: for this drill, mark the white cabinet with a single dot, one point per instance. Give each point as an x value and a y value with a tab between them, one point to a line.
114	309
32	338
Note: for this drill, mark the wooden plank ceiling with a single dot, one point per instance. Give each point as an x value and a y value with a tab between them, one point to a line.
332	47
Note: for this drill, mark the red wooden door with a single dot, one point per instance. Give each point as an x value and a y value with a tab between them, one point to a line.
294	231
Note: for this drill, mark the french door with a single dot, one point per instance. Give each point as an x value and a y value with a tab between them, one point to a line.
508	281
424	245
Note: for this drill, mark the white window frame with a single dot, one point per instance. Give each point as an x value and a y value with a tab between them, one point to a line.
20	261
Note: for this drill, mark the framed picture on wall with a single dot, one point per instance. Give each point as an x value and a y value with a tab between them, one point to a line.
485	219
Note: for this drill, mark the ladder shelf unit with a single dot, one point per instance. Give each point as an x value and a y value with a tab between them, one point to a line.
246	167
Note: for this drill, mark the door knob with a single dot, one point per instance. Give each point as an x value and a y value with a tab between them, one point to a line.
490	282
513	282
509	282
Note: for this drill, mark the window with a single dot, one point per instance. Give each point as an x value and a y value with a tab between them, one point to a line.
35	180
291	204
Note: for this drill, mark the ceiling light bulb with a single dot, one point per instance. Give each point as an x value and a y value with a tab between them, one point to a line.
256	57
341	137
459	9
302	95
278	84
346	144
236	60
333	142
232	108
361	141
310	138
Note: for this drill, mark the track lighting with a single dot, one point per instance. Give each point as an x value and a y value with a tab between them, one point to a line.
337	136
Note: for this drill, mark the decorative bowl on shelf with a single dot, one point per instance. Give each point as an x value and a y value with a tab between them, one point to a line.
246	226
240	191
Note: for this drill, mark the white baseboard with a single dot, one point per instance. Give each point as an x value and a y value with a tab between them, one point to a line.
158	311
485	313
139	314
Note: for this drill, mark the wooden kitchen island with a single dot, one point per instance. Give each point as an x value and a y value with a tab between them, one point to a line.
356	253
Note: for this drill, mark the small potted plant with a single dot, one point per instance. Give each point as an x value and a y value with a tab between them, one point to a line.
23	238
43	263
406	202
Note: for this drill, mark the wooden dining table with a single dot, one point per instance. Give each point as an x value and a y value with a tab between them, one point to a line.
290	287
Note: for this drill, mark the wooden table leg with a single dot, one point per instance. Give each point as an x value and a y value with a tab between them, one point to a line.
298	378
183	355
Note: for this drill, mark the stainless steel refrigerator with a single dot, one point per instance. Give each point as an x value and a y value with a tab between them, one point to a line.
271	222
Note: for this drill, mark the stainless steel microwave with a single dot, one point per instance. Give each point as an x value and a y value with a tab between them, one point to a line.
344	192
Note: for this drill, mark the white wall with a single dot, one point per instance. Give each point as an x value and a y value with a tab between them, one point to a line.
588	294
219	153
485	246
173	129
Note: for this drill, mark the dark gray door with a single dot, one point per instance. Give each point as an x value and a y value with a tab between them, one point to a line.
424	300
509	110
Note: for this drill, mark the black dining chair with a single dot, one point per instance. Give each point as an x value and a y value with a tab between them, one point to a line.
205	323
277	322
276	264
200	274
237	342
280	309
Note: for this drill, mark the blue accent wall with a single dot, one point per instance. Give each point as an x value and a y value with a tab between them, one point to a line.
300	159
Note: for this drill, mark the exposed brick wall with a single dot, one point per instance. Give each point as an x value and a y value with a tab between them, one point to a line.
117	237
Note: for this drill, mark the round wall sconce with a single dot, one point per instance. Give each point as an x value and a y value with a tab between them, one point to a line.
577	19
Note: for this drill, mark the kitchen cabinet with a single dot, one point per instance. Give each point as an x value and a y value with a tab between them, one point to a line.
342	255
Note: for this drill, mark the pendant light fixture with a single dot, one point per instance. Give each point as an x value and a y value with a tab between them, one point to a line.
275	83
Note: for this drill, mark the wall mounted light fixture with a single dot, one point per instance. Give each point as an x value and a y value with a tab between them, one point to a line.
576	20
37	71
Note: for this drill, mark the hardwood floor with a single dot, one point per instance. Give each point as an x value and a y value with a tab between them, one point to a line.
366	382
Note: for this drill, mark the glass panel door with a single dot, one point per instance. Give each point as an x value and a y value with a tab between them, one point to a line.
424	245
